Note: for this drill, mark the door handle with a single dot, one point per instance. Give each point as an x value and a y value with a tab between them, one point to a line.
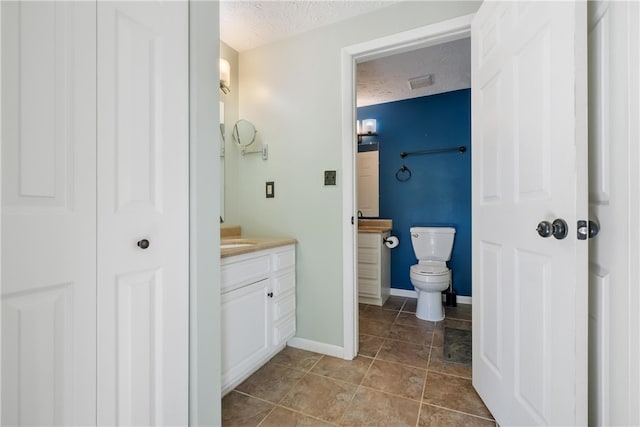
143	244
544	229
558	228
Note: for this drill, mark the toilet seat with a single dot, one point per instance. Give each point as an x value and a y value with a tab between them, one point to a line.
430	268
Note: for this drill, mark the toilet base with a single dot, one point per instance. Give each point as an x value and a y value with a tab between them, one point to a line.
430	306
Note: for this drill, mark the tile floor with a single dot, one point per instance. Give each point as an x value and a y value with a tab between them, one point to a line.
398	379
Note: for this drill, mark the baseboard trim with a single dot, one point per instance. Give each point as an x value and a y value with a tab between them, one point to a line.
403	293
316	347
460	299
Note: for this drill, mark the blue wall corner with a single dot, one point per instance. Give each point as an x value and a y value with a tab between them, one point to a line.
439	191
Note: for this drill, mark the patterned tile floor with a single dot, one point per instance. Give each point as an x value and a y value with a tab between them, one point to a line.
398	379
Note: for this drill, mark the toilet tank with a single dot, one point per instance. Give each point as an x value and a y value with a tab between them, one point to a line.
432	243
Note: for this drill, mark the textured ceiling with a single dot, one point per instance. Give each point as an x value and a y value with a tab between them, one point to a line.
387	79
245	25
248	24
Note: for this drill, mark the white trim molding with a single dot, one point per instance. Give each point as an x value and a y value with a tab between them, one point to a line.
429	35
460	299
316	347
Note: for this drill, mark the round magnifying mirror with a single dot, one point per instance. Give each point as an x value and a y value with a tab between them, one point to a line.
244	133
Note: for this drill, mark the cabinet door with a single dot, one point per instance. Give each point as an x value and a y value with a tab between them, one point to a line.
368	183
48	213
246	320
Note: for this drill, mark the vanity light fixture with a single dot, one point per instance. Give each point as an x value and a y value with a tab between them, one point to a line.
225	76
368	128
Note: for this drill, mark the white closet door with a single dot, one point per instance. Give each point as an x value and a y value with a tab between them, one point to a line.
48	213
143	194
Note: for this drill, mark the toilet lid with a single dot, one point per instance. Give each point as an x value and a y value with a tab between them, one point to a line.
430	267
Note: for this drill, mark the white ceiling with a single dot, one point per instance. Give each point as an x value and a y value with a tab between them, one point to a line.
245	25
387	79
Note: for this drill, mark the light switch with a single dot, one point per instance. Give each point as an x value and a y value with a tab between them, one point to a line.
270	190
329	177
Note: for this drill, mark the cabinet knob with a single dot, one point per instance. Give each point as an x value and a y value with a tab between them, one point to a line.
143	244
270	294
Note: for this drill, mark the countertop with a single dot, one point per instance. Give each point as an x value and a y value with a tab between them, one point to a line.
374	225
254	243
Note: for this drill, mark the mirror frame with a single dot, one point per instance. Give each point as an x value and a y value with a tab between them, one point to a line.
244	135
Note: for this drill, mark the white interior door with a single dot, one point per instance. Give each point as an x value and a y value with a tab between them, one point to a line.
143	195
368	183
614	326
48	213
529	165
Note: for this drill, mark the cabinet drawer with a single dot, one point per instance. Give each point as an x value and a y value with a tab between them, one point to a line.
284	306
284	330
241	273
284	259
368	287
368	271
284	283
368	256
369	240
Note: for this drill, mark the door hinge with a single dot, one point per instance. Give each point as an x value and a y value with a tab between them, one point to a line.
587	229
351	220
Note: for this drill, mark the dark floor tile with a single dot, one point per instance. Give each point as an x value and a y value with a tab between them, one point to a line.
374	408
453	393
394	303
460	312
320	397
296	358
280	417
241	410
369	345
374	327
378	314
411	334
401	380
351	371
438	338
403	352
431	416
271	382
410	319
410	305
437	363
465	325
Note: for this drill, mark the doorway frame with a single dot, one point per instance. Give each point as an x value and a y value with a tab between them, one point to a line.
406	41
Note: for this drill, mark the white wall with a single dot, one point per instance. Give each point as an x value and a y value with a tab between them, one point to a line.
230	181
291	91
204	234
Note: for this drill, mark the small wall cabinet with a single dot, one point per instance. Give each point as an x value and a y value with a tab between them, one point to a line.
258	311
374	268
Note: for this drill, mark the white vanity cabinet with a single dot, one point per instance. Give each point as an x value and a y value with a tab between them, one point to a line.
374	268
257	311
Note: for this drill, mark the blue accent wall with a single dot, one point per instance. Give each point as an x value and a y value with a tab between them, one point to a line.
439	191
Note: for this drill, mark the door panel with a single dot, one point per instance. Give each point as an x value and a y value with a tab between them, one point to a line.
529	165
143	194
614	325
48	213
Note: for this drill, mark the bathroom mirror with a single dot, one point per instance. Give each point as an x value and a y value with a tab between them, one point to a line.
222	149
244	133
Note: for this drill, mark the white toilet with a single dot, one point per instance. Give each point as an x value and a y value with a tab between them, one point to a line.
431	276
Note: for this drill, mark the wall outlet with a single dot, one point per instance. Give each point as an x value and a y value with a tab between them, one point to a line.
329	177
270	190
